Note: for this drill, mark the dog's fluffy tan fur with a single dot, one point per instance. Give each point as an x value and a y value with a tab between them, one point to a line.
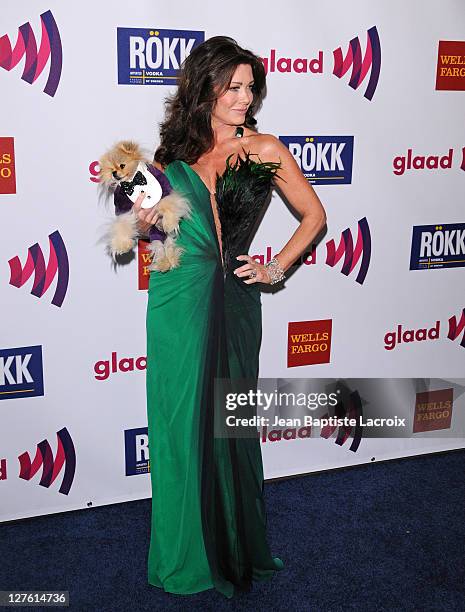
122	234
122	159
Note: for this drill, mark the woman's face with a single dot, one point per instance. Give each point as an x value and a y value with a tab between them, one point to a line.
231	107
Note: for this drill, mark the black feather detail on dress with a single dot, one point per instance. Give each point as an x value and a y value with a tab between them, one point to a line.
241	192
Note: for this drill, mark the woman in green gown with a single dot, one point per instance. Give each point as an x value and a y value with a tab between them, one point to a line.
208	527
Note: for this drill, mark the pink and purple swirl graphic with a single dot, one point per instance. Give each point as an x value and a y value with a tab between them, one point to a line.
51	468
456	328
355	411
58	264
352	255
360	66
36	58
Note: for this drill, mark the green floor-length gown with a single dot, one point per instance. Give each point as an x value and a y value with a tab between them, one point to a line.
208	527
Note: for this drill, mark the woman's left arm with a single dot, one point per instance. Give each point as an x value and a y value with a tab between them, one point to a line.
302	197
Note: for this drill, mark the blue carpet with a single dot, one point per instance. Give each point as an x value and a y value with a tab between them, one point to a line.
386	536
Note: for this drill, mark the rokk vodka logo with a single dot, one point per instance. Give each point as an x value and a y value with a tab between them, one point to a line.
21	372
324	160
153	57
438	246
136	445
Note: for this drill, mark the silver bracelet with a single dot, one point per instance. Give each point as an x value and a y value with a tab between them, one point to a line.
275	271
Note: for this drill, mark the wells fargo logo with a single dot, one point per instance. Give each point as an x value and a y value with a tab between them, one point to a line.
143	263
433	410
360	64
309	342
58	265
7	165
36	56
51	467
450	71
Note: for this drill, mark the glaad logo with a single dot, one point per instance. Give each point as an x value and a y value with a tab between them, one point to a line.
392	339
136	448
65	456
36	59
58	264
455	329
94	170
7	165
286	64
353	59
349	409
153	57
333	255
3	470
402	163
352	255
104	368
324	160
21	372
308	258
438	246
360	66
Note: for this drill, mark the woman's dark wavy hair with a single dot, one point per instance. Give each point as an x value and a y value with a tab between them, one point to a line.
206	73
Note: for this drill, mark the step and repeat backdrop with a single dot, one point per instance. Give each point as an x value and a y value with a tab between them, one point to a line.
368	98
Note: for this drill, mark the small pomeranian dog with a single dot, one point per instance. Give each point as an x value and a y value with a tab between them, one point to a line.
125	173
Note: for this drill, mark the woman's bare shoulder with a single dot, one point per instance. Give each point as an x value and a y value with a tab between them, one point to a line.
267	146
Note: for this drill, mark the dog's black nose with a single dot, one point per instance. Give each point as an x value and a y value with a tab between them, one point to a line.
115	175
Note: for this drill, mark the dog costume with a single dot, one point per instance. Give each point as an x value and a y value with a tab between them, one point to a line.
123	233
